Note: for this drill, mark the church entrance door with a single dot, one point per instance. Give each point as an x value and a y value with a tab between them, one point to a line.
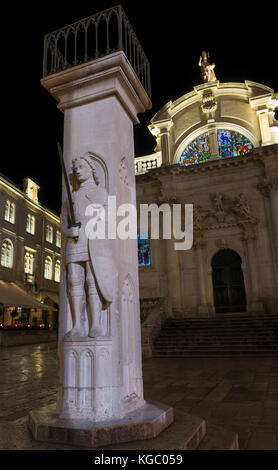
228	282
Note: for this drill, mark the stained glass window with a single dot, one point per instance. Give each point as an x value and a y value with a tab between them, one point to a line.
198	151
230	144
144	253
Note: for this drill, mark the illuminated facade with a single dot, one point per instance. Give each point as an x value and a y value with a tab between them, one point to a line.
30	241
217	148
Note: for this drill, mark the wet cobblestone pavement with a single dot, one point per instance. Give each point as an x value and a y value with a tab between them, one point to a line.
238	394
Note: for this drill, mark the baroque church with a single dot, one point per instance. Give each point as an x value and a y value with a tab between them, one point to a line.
217	148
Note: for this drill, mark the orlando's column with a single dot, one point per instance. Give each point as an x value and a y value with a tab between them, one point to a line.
99	330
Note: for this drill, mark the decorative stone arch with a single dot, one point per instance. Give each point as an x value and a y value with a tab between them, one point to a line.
3	259
185	140
48	260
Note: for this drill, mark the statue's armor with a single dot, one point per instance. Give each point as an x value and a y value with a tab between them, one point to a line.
78	251
96	251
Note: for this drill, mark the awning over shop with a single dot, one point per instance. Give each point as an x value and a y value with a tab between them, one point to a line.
51	295
12	295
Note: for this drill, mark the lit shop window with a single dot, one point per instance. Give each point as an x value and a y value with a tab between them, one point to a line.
57	271
7	251
58	238
49	234
30	224
144	253
9	212
48	268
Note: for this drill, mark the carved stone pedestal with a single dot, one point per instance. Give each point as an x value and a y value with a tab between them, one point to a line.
86	383
145	423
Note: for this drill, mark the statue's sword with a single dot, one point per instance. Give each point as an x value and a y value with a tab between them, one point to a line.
72	216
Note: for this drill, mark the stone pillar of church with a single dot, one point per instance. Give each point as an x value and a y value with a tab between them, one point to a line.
173	276
269	190
213	141
273	199
254	304
204	308
264	126
165	147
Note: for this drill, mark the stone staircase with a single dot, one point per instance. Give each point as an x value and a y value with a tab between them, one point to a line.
230	335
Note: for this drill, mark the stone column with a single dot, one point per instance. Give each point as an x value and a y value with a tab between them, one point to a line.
165	146
273	200
173	276
269	190
101	373
161	132
255	305
204	308
264	126
213	140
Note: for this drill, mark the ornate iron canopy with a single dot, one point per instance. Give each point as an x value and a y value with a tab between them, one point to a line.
94	37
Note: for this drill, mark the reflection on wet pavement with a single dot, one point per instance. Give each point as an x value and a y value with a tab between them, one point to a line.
239	394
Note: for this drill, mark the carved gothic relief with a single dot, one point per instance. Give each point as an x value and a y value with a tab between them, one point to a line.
199	216
241	208
123	171
90	268
225	212
128	312
209	105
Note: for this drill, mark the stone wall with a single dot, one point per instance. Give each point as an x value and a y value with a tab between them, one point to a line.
234	203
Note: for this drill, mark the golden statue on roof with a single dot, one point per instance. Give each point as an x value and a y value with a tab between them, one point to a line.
207	68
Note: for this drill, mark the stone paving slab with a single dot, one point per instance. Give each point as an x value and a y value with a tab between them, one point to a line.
239	394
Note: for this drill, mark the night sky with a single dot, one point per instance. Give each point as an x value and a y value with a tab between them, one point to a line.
242	43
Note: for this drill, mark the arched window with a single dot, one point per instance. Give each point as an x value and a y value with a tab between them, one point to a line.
7	251
230	144
58	238
48	268
198	151
57	271
49	234
7	211
10	212
29	262
30	224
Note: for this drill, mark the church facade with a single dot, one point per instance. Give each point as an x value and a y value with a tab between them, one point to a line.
217	148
